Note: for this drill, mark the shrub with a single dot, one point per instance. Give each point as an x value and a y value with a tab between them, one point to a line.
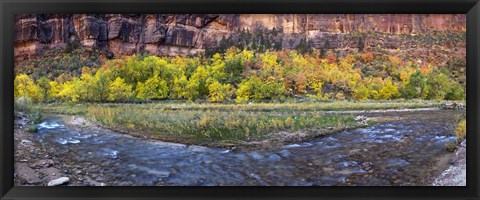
451	146
461	130
32	129
35	116
23	104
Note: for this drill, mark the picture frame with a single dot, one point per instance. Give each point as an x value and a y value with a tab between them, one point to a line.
8	8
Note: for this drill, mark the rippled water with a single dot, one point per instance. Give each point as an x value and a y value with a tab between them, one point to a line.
402	152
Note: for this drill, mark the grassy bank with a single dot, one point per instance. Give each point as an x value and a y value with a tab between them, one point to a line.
227	124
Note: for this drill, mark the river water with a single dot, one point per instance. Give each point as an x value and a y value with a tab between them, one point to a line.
407	151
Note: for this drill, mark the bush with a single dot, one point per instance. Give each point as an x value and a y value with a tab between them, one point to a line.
35	116
461	130
23	104
451	146
32	129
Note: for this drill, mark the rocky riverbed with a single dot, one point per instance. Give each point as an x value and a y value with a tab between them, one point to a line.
407	150
35	164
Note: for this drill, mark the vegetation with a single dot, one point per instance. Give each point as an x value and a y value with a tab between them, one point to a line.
451	146
242	89
226	124
70	61
32	129
461	130
244	76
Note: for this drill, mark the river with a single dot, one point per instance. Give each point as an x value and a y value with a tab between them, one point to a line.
407	151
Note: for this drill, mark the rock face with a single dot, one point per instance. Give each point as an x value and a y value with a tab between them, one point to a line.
188	34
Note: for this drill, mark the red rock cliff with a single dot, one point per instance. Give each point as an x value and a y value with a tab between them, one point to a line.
165	34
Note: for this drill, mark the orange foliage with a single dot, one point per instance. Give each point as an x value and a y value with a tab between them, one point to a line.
367	57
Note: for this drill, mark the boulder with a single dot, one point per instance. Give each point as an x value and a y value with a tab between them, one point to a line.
58	181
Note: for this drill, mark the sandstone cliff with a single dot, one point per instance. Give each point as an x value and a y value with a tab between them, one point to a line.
188	34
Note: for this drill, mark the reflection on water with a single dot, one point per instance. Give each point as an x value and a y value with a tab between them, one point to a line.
401	152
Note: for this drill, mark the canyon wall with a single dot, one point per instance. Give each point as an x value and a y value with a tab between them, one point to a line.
188	34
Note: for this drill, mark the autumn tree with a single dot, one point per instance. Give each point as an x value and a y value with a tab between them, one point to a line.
119	91
389	91
24	86
219	92
153	88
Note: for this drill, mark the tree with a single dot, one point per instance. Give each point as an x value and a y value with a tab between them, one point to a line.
102	85
456	92
389	91
416	86
55	88
179	89
44	84
87	92
244	92
71	90
361	93
24	86
439	85
119	90
318	88
219	92
153	88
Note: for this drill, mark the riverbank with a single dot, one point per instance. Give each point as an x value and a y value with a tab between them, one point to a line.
404	151
37	165
263	125
456	174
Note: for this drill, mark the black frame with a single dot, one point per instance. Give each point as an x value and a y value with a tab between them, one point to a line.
8	8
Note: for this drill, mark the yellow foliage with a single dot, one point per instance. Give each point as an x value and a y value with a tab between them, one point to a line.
119	90
219	92
24	86
461	130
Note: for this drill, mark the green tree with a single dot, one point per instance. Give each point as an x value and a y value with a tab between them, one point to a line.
44	84
456	92
439	85
102	85
416	86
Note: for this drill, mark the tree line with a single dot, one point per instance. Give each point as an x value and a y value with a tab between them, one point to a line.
246	75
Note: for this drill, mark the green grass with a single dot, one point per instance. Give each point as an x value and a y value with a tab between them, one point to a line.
215	124
32	129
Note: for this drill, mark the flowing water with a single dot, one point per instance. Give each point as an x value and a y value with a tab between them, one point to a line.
401	152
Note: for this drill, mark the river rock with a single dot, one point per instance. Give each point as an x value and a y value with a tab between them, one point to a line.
51	173
59	181
26	173
42	164
454	106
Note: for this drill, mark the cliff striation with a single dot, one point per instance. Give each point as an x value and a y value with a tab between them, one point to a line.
188	34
